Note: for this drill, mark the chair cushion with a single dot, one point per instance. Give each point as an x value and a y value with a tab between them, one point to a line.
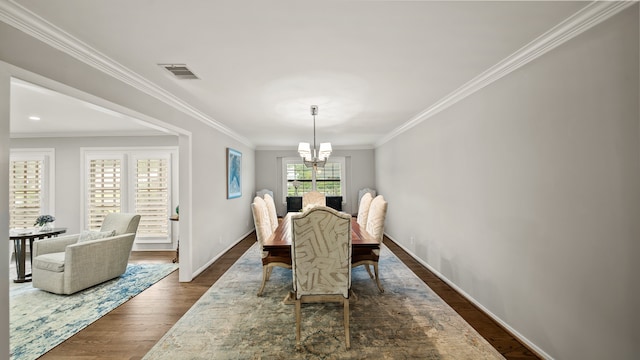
86	235
51	262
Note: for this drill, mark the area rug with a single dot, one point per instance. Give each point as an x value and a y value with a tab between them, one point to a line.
407	321
40	320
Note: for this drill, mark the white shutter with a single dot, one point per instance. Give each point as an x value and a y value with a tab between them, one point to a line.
25	192
152	199
104	190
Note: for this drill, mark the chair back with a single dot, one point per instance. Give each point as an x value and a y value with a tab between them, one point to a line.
262	192
321	252
122	223
377	215
261	219
363	210
313	198
271	208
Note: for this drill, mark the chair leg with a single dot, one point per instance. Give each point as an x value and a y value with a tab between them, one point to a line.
346	323
269	269
366	266
375	269
265	276
298	315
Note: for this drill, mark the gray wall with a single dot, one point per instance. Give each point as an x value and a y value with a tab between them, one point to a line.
360	172
68	198
527	195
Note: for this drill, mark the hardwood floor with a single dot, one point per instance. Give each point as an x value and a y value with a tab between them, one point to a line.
130	330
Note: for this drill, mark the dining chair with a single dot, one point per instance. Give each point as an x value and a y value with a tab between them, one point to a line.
363	210
263	232
271	207
375	227
313	198
321	254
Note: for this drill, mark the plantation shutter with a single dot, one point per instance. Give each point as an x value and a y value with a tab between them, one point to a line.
104	190
152	196
25	192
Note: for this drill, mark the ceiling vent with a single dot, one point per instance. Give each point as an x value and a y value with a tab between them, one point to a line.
180	71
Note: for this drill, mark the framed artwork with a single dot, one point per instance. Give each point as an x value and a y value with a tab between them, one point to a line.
234	173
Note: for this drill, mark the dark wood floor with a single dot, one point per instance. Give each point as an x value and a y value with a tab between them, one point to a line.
130	330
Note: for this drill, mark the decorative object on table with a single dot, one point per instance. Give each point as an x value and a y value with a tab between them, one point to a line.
44	222
234	173
314	158
41	320
296	184
409	321
178	210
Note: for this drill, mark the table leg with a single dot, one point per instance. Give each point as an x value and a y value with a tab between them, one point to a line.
19	247
177	258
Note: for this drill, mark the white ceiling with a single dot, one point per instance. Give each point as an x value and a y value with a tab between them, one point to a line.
371	66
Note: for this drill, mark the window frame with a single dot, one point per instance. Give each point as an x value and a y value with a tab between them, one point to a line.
47	156
332	160
128	157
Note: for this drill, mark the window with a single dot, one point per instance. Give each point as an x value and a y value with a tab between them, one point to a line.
30	183
133	180
104	190
299	179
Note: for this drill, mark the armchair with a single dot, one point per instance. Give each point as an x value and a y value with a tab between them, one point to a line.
68	264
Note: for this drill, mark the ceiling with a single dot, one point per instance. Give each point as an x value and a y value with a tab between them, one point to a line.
370	66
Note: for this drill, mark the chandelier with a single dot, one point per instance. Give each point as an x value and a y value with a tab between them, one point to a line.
314	158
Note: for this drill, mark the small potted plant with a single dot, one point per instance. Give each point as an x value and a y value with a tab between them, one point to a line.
44	222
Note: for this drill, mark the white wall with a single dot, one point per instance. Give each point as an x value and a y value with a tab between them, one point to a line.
528	195
5	86
68	198
360	172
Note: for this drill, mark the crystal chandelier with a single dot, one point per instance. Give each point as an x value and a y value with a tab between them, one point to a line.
314	158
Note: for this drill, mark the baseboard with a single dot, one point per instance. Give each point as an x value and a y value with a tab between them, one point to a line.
210	262
533	347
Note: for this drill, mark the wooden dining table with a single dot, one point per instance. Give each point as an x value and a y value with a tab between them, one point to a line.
280	241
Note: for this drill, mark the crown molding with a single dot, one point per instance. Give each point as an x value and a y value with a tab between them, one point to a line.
583	20
26	21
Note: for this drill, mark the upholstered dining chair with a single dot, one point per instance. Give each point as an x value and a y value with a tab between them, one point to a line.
263	232
313	198
375	227
321	261
271	207
363	210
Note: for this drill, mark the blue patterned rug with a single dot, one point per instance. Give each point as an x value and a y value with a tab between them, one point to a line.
40	320
407	321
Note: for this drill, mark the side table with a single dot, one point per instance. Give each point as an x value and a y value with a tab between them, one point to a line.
20	248
177	258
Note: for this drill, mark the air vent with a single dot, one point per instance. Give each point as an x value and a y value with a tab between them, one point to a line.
180	71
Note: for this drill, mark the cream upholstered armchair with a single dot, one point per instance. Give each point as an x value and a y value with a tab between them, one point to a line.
263	232
313	198
375	227
68	264
321	260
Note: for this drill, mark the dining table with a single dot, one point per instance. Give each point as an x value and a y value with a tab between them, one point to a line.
20	238
280	241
